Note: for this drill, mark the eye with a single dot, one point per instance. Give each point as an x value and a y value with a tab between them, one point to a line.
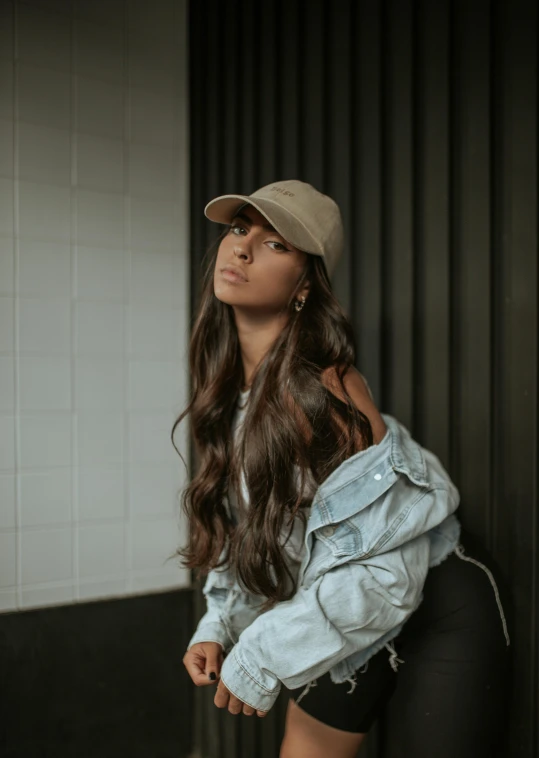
232	228
274	242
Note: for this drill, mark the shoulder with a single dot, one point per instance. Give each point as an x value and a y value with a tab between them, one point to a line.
361	397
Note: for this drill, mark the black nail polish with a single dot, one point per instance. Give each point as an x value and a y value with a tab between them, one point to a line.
212	675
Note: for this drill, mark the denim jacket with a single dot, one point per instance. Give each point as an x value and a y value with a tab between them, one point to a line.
377	524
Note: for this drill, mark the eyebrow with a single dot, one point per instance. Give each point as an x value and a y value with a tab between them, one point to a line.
246	218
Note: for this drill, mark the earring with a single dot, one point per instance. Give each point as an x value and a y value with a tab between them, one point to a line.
297	306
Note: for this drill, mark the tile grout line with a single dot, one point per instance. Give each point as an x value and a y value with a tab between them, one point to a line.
16	305
127	316
75	511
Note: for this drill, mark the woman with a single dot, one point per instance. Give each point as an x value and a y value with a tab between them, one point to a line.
337	567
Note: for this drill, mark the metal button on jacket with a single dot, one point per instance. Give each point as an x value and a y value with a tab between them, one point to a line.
327	531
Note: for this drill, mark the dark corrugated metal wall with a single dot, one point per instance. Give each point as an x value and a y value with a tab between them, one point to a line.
421	120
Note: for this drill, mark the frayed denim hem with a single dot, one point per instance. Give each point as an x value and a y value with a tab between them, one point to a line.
393	658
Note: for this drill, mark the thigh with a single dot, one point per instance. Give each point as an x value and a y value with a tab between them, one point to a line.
451	694
307	737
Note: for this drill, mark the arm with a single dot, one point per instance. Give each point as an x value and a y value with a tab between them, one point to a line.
346	609
230	609
211	627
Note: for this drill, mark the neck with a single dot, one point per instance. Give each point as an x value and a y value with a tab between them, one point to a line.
256	335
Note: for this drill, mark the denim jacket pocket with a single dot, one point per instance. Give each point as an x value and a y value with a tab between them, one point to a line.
330	547
342	538
350	535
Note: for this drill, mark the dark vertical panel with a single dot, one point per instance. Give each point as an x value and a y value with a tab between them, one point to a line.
288	102
230	733
270	739
212	735
470	368
231	83
197	143
496	472
366	215
518	344
198	74
245	101
214	49
199	694
249	738
398	234
339	135
499	121
268	40
431	220
314	104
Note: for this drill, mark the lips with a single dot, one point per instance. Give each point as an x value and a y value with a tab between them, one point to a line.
235	271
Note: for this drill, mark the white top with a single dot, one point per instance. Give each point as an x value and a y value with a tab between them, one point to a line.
294	547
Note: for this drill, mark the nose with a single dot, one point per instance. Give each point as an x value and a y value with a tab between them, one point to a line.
240	251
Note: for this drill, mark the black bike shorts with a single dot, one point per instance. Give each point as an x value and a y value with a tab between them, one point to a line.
451	683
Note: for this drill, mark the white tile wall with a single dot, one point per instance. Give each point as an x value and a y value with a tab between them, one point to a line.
94	303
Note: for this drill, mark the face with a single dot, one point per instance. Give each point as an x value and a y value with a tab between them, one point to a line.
271	265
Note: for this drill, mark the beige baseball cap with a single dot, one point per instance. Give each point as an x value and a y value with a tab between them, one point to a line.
305	217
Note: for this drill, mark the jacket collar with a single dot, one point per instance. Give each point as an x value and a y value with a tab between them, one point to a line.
406	453
403	452
342	494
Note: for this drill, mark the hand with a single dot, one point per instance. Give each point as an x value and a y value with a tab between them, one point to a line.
224	697
202	659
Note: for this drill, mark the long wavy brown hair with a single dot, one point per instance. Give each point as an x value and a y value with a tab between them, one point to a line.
292	419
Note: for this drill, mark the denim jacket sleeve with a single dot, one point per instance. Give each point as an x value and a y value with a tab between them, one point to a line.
345	609
211	627
230	608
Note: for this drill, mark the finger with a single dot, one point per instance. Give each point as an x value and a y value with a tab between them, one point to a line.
195	669
248	709
221	696
214	661
235	706
262	714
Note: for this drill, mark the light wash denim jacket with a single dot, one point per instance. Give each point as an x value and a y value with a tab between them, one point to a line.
377	524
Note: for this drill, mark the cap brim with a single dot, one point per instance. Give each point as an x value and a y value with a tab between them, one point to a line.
223	208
